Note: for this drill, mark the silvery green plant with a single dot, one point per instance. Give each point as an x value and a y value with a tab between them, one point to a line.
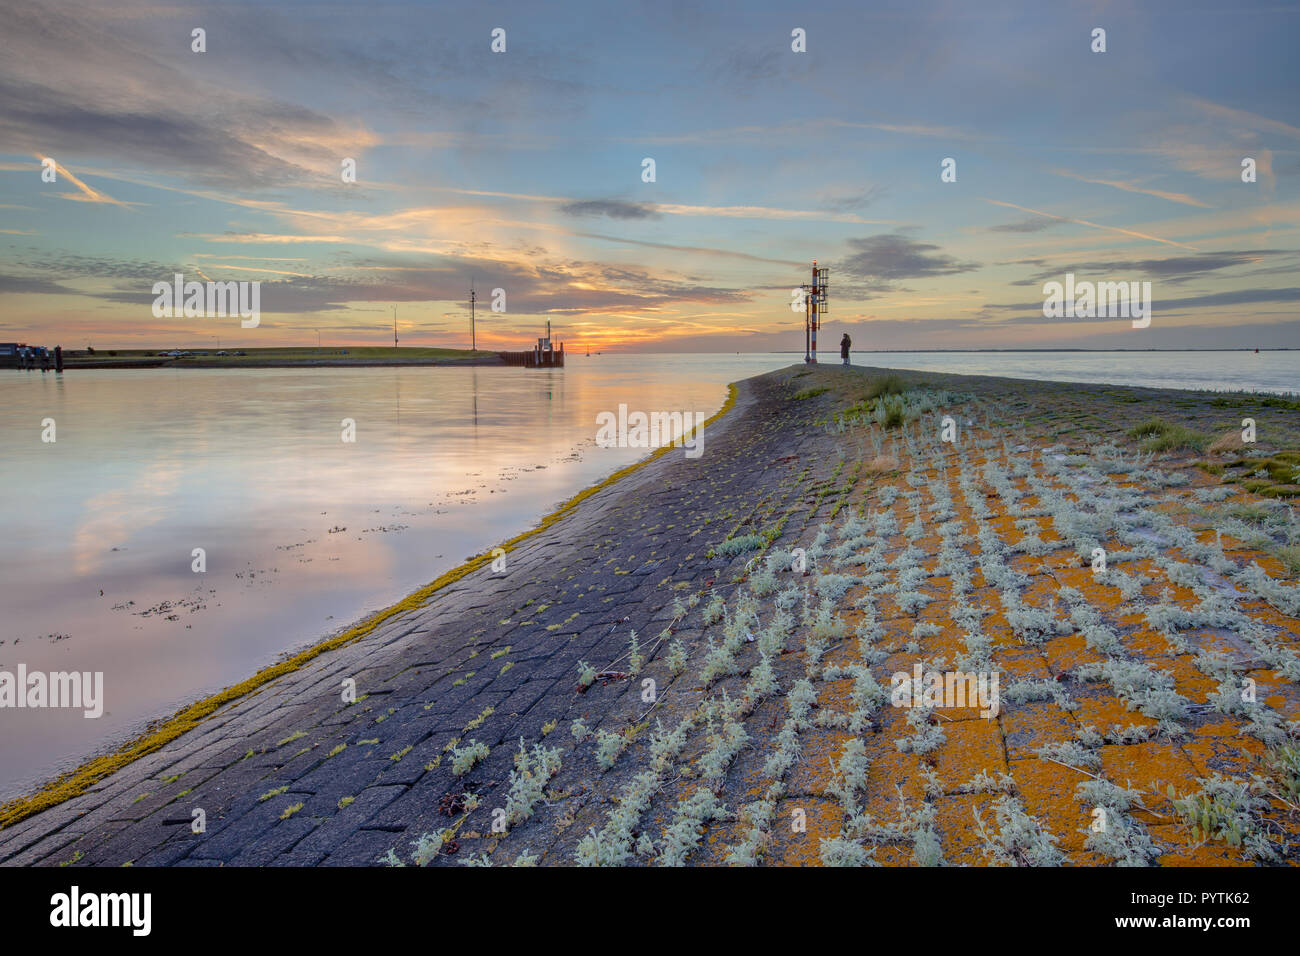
763	580
1029	690
771	639
825	624
1228	698
734	546
799	702
832	587
609	747
758	817
1032	625
984	782
1019	839
720	659
1228	810
1072	753
762	680
844	851
676	657
714	610
866	697
1120	837
723	748
815	646
464	758
635	661
918	826
528	780
926	737
682	838
612	845
849	776
1141	686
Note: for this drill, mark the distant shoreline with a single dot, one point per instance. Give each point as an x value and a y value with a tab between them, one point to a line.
322	363
362	357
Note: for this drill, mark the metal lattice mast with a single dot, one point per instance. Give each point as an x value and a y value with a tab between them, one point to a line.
814	306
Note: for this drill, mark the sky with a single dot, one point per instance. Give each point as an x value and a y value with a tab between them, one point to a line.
524	171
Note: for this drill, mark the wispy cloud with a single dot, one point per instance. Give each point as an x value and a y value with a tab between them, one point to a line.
1131	187
87	192
261	237
1243	118
1092	225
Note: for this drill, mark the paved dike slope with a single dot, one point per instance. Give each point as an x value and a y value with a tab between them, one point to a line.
828	539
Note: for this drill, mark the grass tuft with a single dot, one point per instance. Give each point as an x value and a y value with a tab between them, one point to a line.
1160	435
810	392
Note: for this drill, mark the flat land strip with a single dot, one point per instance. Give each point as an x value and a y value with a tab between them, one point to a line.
288	357
727	660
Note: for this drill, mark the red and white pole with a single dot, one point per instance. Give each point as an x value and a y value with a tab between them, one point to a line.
812	310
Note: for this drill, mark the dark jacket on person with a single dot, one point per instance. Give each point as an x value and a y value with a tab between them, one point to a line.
844	346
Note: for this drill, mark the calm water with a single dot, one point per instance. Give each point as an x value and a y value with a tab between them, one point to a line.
304	533
1216	371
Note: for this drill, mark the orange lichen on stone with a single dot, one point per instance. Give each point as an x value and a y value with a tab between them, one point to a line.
1271	565
948	645
891	855
1230	756
955	822
1148	644
822	820
973	746
1189	680
1047	791
813	772
1022	663
1028	726
1151	768
1065	653
1098	706
890	773
1186	852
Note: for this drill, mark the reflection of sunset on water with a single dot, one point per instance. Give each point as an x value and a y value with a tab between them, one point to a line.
302	532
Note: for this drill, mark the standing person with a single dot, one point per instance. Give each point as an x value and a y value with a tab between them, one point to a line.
845	344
